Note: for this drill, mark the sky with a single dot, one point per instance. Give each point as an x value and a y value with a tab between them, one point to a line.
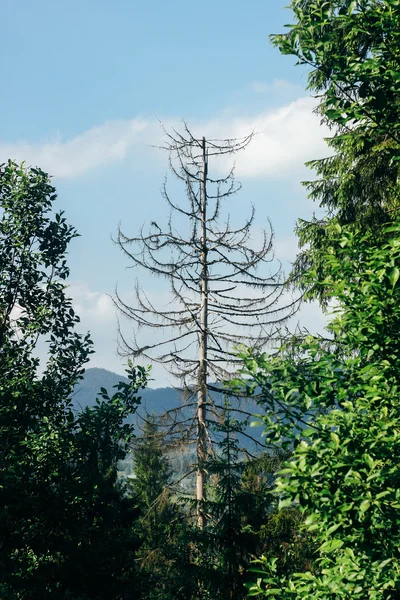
85	85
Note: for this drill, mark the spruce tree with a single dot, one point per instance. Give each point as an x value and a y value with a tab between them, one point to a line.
164	558
224	289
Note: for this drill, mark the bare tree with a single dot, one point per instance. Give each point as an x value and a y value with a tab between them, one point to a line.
220	297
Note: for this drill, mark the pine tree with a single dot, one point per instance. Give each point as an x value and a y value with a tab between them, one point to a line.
150	485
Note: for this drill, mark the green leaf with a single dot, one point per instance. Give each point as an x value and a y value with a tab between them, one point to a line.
286	502
364	506
330	546
393	275
333	528
352	7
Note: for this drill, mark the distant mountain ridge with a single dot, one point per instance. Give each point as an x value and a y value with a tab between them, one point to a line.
158	400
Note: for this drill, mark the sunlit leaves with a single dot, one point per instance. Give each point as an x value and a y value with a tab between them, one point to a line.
351	52
344	472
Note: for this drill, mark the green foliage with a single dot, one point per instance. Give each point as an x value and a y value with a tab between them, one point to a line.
352	51
151	467
164	556
332	401
352	47
65	521
225	509
336	403
242	517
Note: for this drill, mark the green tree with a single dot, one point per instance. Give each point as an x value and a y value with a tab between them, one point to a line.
225	513
351	50
333	401
61	507
336	402
164	556
152	470
242	517
99	543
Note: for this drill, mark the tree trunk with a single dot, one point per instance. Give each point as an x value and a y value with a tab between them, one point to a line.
202	377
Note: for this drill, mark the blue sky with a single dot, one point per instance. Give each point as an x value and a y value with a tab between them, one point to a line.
84	83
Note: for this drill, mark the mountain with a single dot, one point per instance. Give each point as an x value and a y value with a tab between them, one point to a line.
157	400
153	400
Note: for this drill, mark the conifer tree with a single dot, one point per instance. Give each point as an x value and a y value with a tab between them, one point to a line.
164	559
152	477
350	49
222	289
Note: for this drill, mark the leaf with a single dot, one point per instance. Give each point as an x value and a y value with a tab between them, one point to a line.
284	503
335	439
330	546
256	423
364	506
333	528
352	7
384	563
394	275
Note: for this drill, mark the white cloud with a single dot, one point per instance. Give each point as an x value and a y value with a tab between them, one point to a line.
285	138
98	316
94	148
311	317
91	306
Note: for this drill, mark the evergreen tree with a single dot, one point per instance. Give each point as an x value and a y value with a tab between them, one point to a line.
351	49
242	517
164	557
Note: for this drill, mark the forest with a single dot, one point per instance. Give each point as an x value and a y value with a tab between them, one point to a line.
273	470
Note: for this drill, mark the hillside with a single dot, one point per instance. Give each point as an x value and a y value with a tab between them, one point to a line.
153	400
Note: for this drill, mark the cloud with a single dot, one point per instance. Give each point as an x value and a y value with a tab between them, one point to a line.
285	138
91	306
98	316
312	318
286	248
92	149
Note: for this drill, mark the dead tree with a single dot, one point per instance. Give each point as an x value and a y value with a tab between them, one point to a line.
222	290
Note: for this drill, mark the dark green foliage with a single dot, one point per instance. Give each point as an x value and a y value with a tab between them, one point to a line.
164	558
242	518
150	485
225	511
352	49
65	522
